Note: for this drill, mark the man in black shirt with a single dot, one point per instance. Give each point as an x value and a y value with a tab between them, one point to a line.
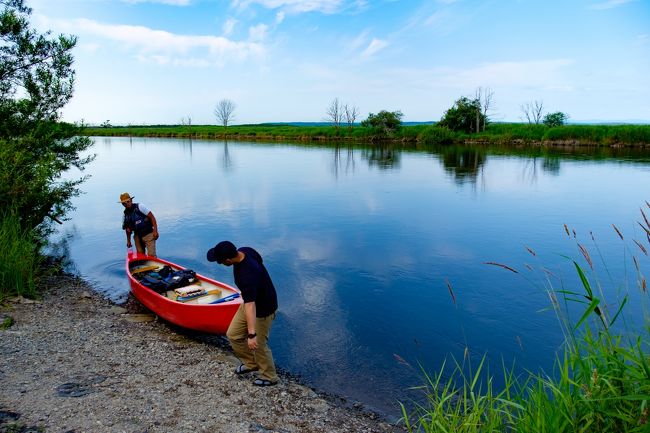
250	328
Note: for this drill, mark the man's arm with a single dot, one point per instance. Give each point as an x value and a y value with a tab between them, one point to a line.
251	312
154	223
128	237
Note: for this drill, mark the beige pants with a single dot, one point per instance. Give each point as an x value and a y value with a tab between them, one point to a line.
262	358
147	242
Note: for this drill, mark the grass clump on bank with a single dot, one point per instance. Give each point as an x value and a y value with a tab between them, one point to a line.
600	383
19	258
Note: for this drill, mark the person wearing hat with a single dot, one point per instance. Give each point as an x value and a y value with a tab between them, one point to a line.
249	330
139	220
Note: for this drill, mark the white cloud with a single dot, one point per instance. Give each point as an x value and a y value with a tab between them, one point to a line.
358	42
258	32
157	45
228	26
295	6
533	74
173	61
165	2
374	47
436	18
279	17
90	47
609	4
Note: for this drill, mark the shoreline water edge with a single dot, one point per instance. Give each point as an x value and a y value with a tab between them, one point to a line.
76	361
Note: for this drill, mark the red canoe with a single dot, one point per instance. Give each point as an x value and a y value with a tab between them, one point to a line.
206	305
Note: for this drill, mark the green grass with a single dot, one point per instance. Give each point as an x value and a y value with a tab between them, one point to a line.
600	383
19	258
496	133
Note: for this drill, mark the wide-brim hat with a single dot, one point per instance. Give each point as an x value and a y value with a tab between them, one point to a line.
125	196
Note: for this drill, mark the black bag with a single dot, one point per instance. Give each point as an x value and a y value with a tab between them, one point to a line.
181	278
155	282
165	271
168	279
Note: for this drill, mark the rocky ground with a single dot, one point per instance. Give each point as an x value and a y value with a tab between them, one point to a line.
74	362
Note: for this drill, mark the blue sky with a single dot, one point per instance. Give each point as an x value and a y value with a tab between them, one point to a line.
160	61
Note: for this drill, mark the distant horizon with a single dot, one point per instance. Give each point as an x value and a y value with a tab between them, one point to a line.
323	123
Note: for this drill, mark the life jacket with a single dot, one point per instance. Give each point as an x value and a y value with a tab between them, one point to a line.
137	221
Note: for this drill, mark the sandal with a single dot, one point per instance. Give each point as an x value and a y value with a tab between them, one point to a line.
242	369
263	382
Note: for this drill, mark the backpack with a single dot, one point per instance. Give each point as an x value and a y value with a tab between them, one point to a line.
167	279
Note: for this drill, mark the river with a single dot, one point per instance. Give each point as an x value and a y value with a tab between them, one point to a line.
387	260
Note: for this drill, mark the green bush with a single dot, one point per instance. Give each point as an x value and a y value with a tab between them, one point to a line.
19	258
385	123
435	134
556	119
466	115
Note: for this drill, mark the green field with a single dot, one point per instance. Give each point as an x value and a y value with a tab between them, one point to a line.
496	133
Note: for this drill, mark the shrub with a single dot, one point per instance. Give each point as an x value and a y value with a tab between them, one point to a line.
555	119
384	123
437	135
466	116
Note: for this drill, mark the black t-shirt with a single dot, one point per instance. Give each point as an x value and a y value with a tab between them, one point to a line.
255	284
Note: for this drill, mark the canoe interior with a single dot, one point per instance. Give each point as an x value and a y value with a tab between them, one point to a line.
211	292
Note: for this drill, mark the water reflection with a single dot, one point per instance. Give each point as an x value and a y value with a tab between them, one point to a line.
226	161
344	163
382	156
463	163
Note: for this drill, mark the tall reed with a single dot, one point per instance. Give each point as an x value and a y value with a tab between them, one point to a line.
601	380
19	258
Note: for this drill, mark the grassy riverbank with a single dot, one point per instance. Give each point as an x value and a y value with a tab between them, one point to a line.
598	135
601	379
19	258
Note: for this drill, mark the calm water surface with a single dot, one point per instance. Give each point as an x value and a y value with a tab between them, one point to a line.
364	244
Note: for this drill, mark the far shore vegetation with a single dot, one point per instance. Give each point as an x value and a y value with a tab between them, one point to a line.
433	133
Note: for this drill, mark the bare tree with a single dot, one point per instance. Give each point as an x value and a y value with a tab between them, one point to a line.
484	97
533	111
224	112
335	113
350	113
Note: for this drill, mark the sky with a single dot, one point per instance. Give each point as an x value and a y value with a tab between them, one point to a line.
171	61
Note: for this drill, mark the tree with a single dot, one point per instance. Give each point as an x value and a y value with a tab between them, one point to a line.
335	113
484	97
533	111
555	119
36	81
384	122
225	112
466	115
351	113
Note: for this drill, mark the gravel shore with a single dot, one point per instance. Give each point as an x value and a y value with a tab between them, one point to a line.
74	362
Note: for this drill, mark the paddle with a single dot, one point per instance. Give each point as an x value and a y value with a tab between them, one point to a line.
226	299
